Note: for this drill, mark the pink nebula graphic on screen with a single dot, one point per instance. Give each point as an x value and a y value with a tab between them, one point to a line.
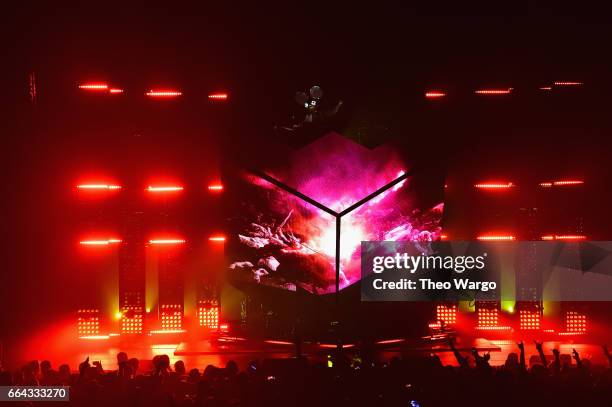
295	242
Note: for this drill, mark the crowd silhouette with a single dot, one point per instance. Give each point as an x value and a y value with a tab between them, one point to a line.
559	380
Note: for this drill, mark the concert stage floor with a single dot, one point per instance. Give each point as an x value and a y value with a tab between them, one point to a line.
200	353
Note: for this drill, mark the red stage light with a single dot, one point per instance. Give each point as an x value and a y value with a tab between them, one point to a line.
115	90
546	88
151	188
99	242
493	91
167	331
132	324
561	183
488	317
568	83
496	237
529	320
564	237
433	94
215	187
171	317
335	346
218	96
568	182
217	238
163	93
494	185
575	322
272	342
98	187
208	317
390	341
93	86
88	322
570	237
443	237
446	313
166	241
494	328
95	337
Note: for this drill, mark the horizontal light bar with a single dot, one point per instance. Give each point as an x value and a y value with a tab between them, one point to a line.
493	328
493	91
166	241
546	88
568	83
215	187
163	93
99	186
494	185
151	188
95	337
273	342
496	238
389	341
115	90
99	242
568	182
93	86
561	183
218	96
334	346
217	238
168	331
564	237
434	94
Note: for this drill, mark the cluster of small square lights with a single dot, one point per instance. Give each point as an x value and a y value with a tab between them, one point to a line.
131	320
171	317
88	322
208	317
529	320
446	313
575	322
488	317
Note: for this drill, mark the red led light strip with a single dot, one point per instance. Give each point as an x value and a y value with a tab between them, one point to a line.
218	96
163	93
561	183
434	94
100	242
94	86
215	187
98	187
493	91
568	83
166	241
496	237
164	189
494	185
564	237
